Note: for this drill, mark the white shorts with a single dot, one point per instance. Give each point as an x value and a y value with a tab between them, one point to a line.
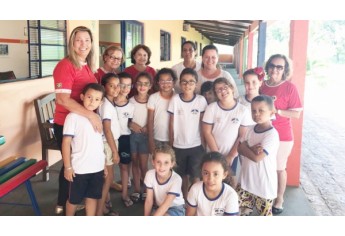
283	154
108	153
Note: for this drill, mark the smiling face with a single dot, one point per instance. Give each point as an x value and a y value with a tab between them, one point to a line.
82	44
113	60
112	88
125	86
188	52
166	83
276	69
188	84
143	85
141	57
210	59
92	99
252	84
213	175
163	164
223	91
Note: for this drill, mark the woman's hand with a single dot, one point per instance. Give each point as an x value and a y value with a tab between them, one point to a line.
96	122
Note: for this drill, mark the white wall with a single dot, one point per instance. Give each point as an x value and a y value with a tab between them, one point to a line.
18	57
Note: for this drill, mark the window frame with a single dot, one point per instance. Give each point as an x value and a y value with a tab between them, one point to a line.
165	46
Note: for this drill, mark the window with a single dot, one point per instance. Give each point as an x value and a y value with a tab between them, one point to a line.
47	46
165	46
132	36
183	39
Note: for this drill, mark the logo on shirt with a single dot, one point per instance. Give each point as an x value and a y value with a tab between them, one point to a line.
195	111
219	211
234	120
126	115
59	85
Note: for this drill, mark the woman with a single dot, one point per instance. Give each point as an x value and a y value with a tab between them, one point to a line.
210	69
140	57
112	59
71	75
288	105
188	51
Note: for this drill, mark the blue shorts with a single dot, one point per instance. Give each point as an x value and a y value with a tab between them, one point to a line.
234	166
139	143
124	149
174	211
86	186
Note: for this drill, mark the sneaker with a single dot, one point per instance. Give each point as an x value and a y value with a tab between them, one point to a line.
80	207
116	186
58	210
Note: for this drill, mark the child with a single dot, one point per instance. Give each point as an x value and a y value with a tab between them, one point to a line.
252	82
211	197
138	138
258	150
224	122
186	112
157	105
125	111
111	128
207	91
83	154
163	185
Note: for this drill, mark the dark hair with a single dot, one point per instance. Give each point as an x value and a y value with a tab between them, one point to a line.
165	71
264	98
145	48
214	157
105	78
209	47
189	71
225	81
287	67
123	75
145	75
94	86
205	87
188	42
250	72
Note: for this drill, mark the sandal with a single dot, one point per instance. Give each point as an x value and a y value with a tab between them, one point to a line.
111	212
108	205
143	197
135	197
127	202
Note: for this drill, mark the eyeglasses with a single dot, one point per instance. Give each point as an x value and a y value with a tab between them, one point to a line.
272	66
224	88
143	84
165	82
190	82
115	58
123	86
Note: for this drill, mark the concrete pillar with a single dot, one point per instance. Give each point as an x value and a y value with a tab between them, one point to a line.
250	50
298	54
261	43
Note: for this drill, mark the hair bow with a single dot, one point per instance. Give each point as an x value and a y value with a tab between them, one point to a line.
260	72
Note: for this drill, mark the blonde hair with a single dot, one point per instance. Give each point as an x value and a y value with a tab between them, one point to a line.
165	148
72	56
113	48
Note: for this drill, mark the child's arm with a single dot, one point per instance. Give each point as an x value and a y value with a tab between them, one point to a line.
171	129
165	205
191	211
148	202
289	113
110	140
210	140
245	150
135	127
150	120
202	136
233	152
66	157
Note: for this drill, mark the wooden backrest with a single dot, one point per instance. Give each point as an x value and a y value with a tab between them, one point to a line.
45	108
7	75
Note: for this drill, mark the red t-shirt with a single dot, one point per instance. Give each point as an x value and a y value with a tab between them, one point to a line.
71	80
99	74
285	97
134	72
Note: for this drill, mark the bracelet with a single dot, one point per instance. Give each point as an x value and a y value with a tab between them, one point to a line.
68	168
279	112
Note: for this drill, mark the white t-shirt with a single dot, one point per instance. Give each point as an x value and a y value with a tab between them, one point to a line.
161	116
226	124
125	112
161	190
260	178
244	101
178	68
140	112
223	73
107	111
187	120
226	203
87	154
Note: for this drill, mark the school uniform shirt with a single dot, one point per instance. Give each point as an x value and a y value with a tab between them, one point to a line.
187	120
125	113
161	190
161	116
134	73
248	104
87	154
226	203
70	80
140	112
286	97
178	68
226	124
223	73
260	178
107	111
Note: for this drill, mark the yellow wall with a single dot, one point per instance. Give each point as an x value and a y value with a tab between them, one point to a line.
175	28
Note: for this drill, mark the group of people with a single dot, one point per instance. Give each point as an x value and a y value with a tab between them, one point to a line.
189	118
